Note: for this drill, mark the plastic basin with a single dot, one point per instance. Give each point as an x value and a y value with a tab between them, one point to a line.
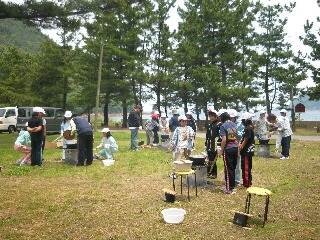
173	215
108	162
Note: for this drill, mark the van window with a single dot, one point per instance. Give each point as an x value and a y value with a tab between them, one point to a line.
23	112
10	113
49	113
2	111
60	113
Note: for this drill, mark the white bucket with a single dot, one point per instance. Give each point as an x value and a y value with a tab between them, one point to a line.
108	162
173	215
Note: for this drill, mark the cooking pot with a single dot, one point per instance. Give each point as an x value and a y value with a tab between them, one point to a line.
197	159
72	146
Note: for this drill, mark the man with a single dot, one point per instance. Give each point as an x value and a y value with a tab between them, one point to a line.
286	137
262	128
212	136
182	139
156	129
229	151
174	121
84	140
134	124
149	125
41	115
35	128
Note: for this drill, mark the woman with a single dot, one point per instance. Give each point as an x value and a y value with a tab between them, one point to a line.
108	143
20	145
65	126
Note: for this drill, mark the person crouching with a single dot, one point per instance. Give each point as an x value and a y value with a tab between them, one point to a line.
108	143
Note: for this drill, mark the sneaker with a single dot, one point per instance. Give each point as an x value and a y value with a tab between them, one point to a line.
231	192
155	145
95	156
284	158
19	162
24	164
172	175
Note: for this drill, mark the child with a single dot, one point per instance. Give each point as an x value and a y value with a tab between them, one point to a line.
246	149
182	139
19	145
149	126
108	143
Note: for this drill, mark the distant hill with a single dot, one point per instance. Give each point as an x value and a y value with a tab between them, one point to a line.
17	34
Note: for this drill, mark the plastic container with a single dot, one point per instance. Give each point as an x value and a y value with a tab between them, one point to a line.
173	215
182	166
108	162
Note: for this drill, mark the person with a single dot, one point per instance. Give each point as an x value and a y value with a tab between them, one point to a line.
41	113
212	136
181	140
191	123
134	124
229	151
84	139
108	143
286	137
22	140
233	118
246	149
156	129
262	128
149	125
174	121
65	126
35	128
164	124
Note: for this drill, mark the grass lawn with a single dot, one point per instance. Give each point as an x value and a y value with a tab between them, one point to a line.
59	201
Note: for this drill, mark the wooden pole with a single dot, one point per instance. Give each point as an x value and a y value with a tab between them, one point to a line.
98	89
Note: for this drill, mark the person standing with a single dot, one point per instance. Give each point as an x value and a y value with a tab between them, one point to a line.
286	137
229	151
156	129
108	143
212	136
134	124
41	115
35	128
149	125
246	150
262	128
182	139
84	140
65	126
174	121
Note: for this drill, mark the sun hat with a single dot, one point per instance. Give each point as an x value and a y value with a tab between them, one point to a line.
246	116
183	117
163	115
283	111
174	111
232	112
68	114
189	113
156	112
42	111
262	112
105	130
36	109
221	111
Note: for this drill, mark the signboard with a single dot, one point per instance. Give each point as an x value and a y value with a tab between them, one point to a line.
300	108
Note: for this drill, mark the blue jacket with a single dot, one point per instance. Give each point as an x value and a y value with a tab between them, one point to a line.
82	125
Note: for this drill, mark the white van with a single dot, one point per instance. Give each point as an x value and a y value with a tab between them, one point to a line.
8	119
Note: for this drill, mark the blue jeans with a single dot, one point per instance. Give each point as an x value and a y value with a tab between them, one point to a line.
285	143
134	138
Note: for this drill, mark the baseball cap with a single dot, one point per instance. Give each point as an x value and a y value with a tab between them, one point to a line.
154	116
36	109
232	112
221	111
105	130
262	112
68	114
189	113
283	111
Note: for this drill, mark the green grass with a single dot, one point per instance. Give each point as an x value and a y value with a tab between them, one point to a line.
59	201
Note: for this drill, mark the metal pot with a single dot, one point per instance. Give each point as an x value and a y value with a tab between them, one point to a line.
197	160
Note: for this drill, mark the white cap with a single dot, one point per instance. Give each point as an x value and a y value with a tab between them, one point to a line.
68	114
232	112
221	111
283	111
42	111
262	112
36	109
163	115
212	110
189	113
105	130
183	117
246	116
156	112
26	124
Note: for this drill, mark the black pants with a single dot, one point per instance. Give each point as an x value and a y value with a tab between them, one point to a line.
155	136
212	168
230	157
85	148
246	166
36	153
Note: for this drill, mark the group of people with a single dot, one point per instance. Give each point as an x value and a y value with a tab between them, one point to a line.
35	133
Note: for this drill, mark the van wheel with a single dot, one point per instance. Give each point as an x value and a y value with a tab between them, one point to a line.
11	129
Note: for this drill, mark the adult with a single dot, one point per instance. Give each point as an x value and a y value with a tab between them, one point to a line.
108	143
262	128
41	114
274	123
191	122
182	139
22	140
156	129
84	140
174	121
65	127
35	128
286	138
212	136
134	124
246	149
149	125
164	124
229	151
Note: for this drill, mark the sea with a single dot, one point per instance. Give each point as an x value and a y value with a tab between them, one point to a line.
308	115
